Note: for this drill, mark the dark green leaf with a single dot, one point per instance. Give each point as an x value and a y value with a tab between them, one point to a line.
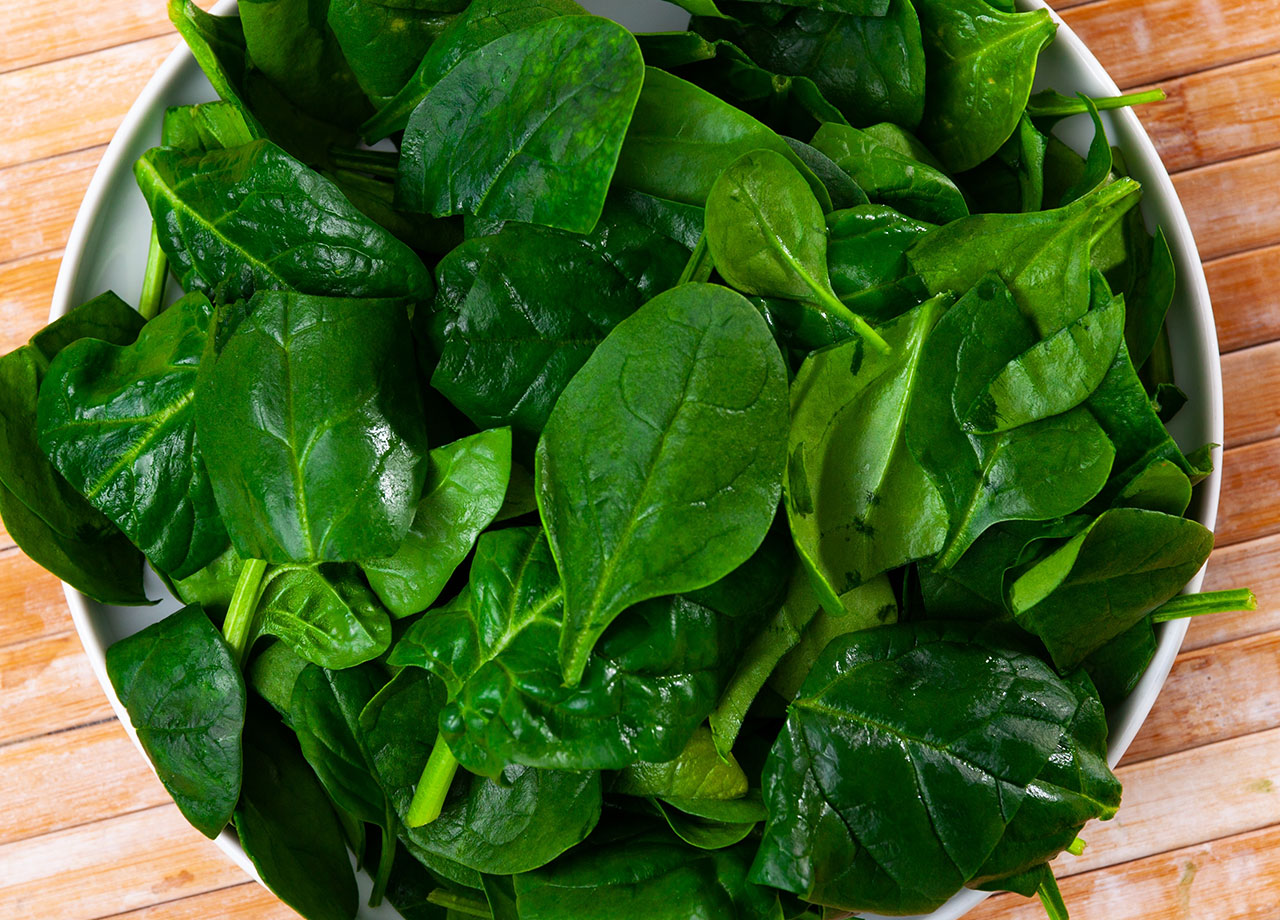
867	258
685	400
325	615
527	127
196	129
1097	164
186	701
384	43
707	833
119	423
465	488
312	426
699	772
235	221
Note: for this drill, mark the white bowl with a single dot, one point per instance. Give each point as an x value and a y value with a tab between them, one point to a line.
107	250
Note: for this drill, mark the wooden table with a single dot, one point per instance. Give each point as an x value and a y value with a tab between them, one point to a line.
86	830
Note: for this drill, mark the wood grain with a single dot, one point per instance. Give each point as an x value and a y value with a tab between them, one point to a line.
67	36
49	193
47	684
25	287
1251	394
1255	564
1250	506
1246	298
241	902
1233	206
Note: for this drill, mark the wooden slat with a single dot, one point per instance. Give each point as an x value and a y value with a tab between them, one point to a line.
1181	800
1142	42
31	600
25	289
94	91
1214	694
1217	114
47	685
110	867
1251	394
41	200
1246	297
1233	879
65	36
96	767
243	902
1233	206
1250	506
1253	565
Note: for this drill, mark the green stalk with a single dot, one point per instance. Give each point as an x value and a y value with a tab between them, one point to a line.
153	281
437	776
375	162
235	628
386	859
832	303
700	264
1194	605
1077	847
1051	897
465	904
1077	106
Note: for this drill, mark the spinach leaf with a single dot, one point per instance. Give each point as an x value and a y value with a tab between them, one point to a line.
217	43
843	190
1013	180
312	426
887	801
1053	376
866	257
645	875
384	43
527	128
979	65
1043	258
1048	107
766	236
891	177
186	701
871	65
24	469
682	409
108	570
865	607
465	488
760	658
1162	485
675	220
788	104
213	586
1102	581
521	821
1097	164
699	772
205	126
1040	471
482	22
682	138
858	502
648	685
288	828
510	325
1116	667
273	673
325	615
118	421
716	827
291	46
235	221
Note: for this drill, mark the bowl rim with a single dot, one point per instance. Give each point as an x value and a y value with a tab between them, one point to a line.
1142	156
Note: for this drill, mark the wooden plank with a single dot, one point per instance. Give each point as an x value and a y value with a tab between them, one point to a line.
1217	790
31	599
1216	114
1246	297
91	29
1233	879
110	867
26	287
1233	206
1255	565
242	902
1250	505
97	773
41	200
1142	42
1251	394
1214	694
47	685
93	93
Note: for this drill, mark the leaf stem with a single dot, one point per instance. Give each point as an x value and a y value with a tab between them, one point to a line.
437	776
700	264
1194	605
1065	107
153	281
1051	897
1077	847
832	303
239	621
466	904
386	859
375	162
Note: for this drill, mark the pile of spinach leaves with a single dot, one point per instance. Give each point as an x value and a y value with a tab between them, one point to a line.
719	473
